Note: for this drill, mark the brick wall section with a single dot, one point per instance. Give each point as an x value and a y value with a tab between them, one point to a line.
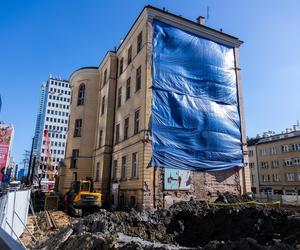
205	187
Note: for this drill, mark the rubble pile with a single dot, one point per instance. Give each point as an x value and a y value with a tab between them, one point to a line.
39	229
185	225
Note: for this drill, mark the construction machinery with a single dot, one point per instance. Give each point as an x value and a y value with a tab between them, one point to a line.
82	198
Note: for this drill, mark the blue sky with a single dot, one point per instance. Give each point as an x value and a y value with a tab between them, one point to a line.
56	37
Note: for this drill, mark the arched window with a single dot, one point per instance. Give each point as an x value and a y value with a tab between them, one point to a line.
81	93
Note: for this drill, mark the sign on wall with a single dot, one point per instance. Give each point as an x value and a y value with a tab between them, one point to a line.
6	134
176	179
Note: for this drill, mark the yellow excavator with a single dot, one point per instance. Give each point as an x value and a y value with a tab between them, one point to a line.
82	199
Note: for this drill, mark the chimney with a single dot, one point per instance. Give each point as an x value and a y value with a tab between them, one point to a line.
294	127
201	20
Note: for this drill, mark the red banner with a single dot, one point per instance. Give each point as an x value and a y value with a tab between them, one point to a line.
6	133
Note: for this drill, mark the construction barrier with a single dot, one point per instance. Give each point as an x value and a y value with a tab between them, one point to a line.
244	203
293	200
14	211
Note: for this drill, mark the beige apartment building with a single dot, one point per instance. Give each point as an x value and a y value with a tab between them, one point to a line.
109	134
274	162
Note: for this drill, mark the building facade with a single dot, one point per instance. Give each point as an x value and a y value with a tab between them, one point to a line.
274	161
110	134
51	130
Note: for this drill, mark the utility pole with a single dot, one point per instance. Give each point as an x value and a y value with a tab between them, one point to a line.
30	163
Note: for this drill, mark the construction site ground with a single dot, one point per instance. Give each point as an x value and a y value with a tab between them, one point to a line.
185	225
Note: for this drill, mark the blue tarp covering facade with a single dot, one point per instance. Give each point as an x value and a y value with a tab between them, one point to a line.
195	118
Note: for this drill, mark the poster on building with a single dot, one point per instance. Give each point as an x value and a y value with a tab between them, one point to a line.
176	179
6	134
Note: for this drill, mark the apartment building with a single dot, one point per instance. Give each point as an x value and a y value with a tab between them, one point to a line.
51	130
274	162
110	136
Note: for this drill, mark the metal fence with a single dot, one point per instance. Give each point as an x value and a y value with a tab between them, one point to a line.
14	207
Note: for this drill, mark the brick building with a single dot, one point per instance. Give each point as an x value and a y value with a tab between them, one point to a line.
110	135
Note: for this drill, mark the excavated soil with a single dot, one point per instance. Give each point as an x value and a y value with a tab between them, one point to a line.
186	225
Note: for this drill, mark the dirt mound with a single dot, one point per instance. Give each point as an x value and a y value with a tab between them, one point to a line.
189	225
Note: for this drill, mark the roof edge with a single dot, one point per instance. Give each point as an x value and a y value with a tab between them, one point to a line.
82	68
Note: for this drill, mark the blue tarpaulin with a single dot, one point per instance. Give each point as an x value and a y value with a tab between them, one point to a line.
195	118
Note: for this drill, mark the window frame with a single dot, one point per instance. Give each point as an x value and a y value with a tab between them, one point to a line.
103	105
126	128
123	167
74	159
134	165
119	100
97	174
128	88
117	134
136	127
81	94
138	78
139	43
77	129
100	138
114	169
104	77
121	66
129	55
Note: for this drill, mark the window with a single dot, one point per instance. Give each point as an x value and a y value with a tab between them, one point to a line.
74	159
263	152
123	167
290	177
275	164
121	66
287	162
139	42
297	176
100	138
136	121
273	150
265	178
81	93
296	147
77	129
276	178
114	170
134	165
129	55
138	79
104	77
285	148
128	88
251	164
250	153
126	127
103	105
97	171
252	178
264	165
119	97
297	161
117	139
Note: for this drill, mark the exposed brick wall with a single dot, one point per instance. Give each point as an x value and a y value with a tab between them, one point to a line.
205	186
